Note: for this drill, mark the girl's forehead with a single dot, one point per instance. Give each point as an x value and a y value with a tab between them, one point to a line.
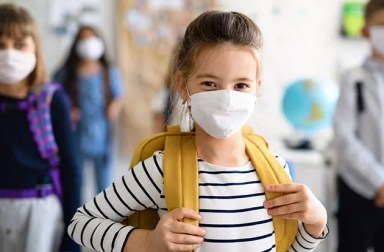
377	18
87	32
15	32
224	54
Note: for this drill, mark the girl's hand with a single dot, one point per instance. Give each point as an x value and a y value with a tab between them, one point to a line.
75	115
379	199
299	203
113	110
171	234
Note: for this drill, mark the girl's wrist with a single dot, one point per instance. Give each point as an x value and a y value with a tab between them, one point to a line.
140	240
150	241
315	230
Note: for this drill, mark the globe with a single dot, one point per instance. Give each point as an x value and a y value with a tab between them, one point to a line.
309	104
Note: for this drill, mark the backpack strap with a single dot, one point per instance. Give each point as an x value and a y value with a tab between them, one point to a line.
40	124
38	105
180	185
262	158
181	171
360	104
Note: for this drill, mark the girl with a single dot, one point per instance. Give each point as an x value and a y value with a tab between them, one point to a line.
36	141
217	74
95	89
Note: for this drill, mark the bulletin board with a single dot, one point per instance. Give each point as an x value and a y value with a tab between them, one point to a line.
147	32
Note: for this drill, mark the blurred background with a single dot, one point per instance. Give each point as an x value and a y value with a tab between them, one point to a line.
306	43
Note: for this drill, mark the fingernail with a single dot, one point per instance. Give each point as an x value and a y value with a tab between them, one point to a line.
203	232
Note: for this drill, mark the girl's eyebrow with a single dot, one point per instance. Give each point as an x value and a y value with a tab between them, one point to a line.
211	76
245	79
206	76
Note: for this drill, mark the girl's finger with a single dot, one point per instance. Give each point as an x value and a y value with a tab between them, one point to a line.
282	200
183	247
286	209
180	213
186	239
284	188
186	228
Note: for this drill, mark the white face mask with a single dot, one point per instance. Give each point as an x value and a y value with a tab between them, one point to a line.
15	65
91	48
377	38
221	113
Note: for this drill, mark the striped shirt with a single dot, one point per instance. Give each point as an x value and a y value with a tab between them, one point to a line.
231	207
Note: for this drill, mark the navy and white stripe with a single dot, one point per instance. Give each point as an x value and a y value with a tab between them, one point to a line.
231	207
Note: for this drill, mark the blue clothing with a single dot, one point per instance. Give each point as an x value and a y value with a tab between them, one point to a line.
21	164
93	130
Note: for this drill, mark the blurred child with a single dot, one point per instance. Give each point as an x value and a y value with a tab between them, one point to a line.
95	88
37	145
164	100
217	74
358	125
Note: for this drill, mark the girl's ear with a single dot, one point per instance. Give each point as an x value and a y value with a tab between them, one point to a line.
181	86
258	88
365	32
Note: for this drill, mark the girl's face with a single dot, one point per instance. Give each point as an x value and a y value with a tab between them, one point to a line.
224	67
25	44
87	33
17	60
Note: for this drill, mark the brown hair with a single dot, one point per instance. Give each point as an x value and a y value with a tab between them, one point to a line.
17	23
212	28
372	7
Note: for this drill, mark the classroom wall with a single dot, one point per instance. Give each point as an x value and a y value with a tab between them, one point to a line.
55	47
301	39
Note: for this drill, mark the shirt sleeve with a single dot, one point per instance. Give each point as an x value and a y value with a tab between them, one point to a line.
97	224
116	82
69	158
283	164
304	241
59	76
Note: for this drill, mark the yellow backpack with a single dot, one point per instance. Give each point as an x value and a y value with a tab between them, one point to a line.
180	169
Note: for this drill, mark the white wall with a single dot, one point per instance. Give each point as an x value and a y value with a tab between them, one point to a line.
55	47
301	39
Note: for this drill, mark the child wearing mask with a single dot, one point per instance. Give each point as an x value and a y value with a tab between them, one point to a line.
217	74
359	135
95	89
39	163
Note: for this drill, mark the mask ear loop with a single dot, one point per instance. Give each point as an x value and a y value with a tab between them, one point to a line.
187	123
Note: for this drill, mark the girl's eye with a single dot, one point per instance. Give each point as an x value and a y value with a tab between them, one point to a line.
209	84
20	45
241	86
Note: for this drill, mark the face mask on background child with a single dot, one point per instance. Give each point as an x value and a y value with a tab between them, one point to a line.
377	38
91	48
15	65
221	113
